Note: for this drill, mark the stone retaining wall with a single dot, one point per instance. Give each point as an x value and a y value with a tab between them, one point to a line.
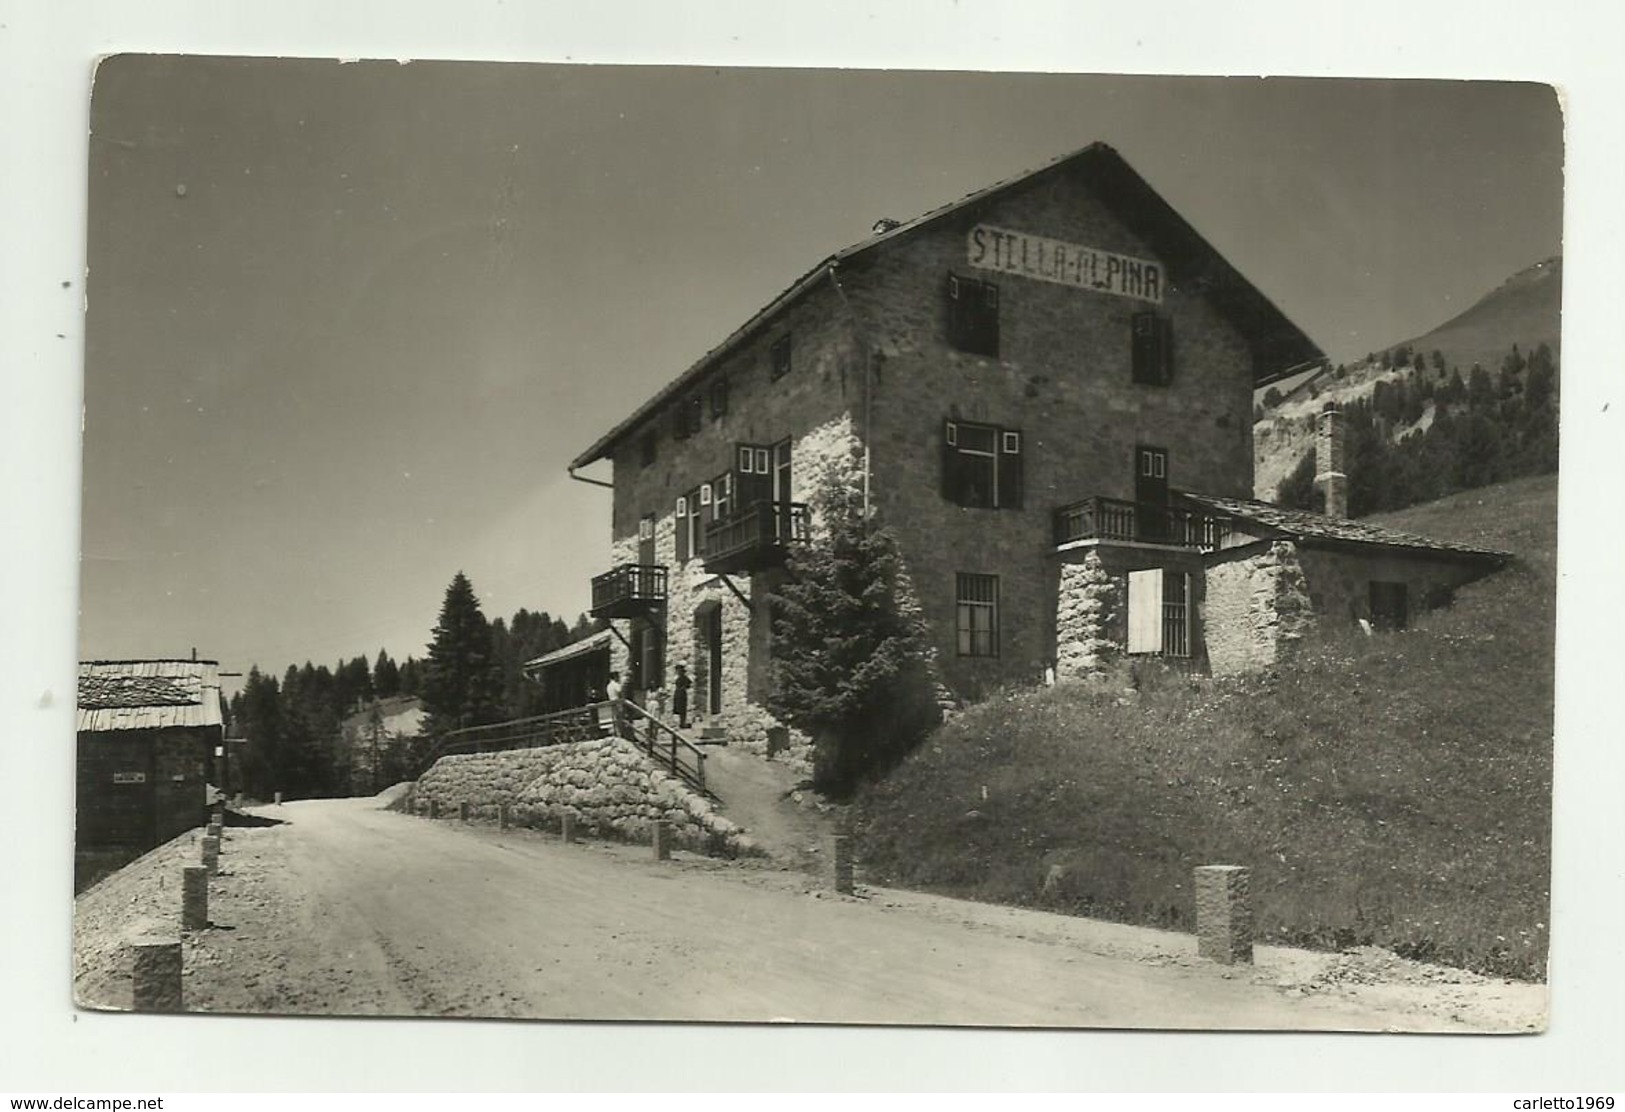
609	785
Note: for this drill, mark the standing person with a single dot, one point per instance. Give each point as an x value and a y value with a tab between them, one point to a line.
612	693
679	697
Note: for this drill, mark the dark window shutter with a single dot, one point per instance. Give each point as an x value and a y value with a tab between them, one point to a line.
719	397
679	423
1152	349
950	464
683	510
1011	485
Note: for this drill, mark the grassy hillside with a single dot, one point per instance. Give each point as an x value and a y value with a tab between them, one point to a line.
1393	790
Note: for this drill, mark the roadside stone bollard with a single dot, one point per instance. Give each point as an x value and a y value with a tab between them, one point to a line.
276	798
157	969
462	811
434	808
843	863
211	854
504	816
662	840
194	898
1224	914
237	801
567	827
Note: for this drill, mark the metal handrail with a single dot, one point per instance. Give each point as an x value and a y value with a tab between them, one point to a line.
692	773
558	728
584	723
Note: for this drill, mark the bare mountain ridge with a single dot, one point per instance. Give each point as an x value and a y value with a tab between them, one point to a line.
1525	310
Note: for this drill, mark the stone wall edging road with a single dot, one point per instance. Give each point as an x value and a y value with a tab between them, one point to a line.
607	784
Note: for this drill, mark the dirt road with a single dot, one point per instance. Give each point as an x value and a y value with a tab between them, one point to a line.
350	909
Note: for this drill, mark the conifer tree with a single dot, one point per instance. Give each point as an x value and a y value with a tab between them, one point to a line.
852	656
462	680
386	676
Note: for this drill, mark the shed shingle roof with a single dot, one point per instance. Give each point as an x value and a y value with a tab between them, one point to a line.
148	694
1306	526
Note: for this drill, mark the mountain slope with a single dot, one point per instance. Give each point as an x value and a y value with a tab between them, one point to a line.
1524	310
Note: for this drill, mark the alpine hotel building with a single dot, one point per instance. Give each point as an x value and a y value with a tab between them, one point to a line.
1026	384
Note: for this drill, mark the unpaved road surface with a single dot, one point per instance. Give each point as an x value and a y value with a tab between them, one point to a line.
347	908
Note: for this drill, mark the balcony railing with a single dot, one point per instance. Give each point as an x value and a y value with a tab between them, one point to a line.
756	538
628	590
1109	519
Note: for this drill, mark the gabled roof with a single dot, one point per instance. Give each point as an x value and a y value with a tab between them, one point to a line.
148	694
1279	345
1312	528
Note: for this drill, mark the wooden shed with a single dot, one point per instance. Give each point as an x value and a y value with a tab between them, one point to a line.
148	734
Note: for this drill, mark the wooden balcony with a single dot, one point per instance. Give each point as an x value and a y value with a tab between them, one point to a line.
1109	519
755	539
628	591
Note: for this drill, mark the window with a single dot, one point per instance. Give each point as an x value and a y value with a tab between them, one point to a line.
1152	349
981	466
721	492
1159	612
687	418
682	528
973	316
648	448
1388	605
978	614
719	396
691	533
779	356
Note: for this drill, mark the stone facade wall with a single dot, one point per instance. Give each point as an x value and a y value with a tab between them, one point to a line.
1257	607
877	361
1064	378
608	785
810	405
1339	582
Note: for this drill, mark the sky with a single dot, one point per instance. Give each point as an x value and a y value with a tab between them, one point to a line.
348	323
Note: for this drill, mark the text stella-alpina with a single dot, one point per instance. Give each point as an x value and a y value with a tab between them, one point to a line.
1066	264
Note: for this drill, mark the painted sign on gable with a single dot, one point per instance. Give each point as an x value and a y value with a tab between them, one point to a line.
1066	264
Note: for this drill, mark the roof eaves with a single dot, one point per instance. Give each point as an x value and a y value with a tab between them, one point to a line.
602	446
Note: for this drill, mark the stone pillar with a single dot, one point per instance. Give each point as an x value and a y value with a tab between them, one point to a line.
211	854
504	816
213	831
662	840
157	975
276	798
1224	914
194	897
843	863
567	827
462	811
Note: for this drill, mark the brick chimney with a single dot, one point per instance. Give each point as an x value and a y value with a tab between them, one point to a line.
1329	461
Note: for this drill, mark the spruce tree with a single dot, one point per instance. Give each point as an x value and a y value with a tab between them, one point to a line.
386	676
851	653
462	681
